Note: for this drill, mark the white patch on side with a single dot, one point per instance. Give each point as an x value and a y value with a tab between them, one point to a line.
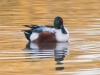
62	37
25	32
34	36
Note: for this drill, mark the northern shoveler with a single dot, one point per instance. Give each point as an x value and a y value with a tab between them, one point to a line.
56	33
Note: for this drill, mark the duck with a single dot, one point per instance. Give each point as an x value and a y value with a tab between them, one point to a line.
47	33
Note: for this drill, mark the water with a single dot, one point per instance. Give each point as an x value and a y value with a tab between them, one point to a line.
79	57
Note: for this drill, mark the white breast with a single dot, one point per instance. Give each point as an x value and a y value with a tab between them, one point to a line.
62	37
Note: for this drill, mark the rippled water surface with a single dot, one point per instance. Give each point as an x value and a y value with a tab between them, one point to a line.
79	57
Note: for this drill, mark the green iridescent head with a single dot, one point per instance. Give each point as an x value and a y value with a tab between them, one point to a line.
58	21
58	24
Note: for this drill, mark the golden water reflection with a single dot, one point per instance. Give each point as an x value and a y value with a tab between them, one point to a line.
81	17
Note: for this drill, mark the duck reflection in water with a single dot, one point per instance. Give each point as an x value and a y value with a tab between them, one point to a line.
48	50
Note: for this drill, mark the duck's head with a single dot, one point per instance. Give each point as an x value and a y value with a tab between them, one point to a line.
58	24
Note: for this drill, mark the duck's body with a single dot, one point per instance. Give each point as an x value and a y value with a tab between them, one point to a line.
56	33
40	34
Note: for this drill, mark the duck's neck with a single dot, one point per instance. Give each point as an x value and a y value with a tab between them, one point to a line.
63	29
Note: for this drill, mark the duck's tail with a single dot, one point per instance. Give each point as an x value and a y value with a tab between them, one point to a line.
27	34
26	25
32	26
